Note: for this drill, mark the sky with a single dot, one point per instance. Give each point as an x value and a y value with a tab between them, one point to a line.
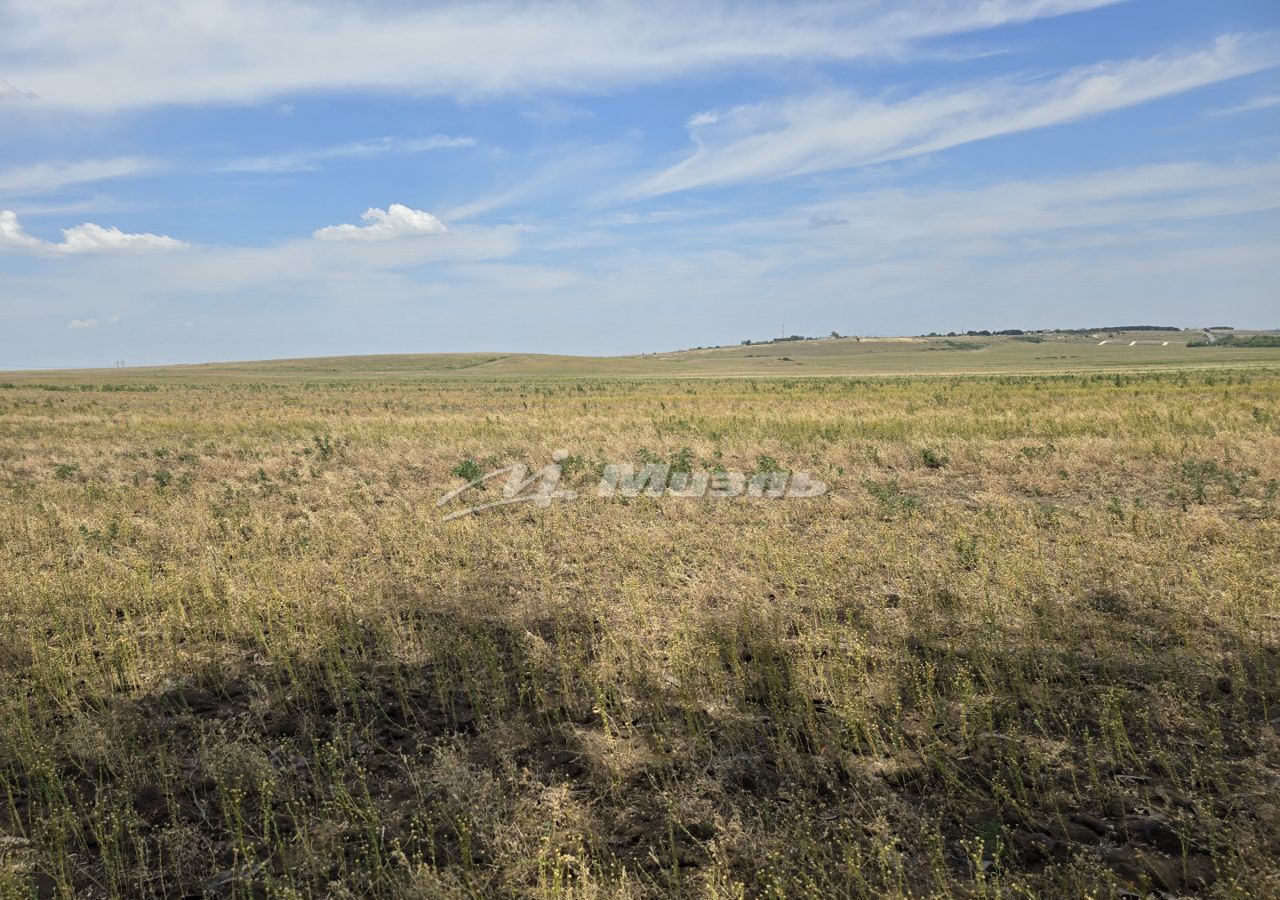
200	180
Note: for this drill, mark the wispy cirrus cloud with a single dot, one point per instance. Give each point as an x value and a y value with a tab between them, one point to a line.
11	92
834	130
313	159
90	56
555	113
88	324
1267	101
85	238
1096	206
39	178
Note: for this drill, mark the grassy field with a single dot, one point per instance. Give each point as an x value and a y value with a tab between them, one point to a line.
1026	644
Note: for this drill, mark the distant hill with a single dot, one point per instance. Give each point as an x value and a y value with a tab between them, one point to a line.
1065	351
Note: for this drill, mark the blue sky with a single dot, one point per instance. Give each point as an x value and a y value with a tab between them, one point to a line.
217	179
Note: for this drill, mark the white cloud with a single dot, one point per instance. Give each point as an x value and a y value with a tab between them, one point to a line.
396	221
42	177
1161	242
1099	208
310	160
1264	102
554	113
90	238
100	57
83	324
10	91
310	271
435	142
585	171
13	235
86	238
774	140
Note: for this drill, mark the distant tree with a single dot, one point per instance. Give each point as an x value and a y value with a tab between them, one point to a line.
1235	340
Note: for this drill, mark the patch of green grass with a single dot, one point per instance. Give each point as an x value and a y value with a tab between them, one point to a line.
932	459
468	470
892	498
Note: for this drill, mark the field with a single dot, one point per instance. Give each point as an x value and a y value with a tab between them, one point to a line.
1027	643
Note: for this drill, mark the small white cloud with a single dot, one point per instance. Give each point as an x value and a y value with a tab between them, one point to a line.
90	238
435	142
396	221
12	233
827	221
86	238
82	323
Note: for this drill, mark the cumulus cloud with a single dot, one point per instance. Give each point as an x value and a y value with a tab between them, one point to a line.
396	221
12	233
86	238
101	57
833	130
90	238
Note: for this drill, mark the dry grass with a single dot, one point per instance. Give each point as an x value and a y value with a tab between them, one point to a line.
240	654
